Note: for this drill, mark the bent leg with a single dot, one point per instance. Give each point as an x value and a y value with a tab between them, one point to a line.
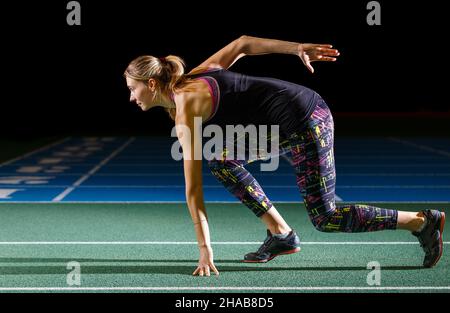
238	181
313	160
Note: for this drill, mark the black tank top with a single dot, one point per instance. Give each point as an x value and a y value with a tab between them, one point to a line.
244	99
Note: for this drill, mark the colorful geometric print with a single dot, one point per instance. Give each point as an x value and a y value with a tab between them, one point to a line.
312	151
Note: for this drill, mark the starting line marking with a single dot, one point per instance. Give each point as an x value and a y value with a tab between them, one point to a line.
92	171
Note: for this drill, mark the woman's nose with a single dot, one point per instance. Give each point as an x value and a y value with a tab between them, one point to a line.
132	98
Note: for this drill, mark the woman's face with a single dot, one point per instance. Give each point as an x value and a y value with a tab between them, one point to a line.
140	93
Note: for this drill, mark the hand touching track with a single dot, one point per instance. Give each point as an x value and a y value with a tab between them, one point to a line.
205	263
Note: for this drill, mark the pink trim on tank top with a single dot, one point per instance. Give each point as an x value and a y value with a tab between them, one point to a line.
214	101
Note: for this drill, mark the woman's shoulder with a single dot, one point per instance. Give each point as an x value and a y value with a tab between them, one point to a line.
190	96
188	107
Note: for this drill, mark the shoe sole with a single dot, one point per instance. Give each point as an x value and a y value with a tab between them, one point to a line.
273	256
441	244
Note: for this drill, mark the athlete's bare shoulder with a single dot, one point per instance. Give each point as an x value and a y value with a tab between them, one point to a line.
186	102
193	100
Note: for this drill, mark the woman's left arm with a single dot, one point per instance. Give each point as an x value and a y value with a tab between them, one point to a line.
247	45
308	52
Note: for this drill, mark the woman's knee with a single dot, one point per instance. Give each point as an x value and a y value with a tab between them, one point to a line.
323	225
322	221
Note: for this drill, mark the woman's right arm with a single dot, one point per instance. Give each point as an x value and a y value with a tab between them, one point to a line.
247	45
190	142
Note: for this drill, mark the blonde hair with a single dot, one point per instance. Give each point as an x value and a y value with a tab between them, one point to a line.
167	71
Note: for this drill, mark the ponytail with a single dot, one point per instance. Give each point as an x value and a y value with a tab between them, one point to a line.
175	70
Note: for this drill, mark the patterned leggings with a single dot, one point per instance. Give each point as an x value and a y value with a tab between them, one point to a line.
313	160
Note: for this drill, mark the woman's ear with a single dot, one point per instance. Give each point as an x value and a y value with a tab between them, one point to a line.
151	84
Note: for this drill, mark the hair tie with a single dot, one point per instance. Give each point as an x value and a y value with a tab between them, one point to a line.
162	59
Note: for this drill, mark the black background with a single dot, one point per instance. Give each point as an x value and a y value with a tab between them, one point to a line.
68	79
59	79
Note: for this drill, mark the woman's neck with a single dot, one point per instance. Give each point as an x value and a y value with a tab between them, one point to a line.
167	101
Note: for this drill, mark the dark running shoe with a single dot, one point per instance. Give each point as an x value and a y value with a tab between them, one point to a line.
430	237
273	247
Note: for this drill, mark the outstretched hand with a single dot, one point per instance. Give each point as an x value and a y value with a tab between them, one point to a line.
309	52
205	263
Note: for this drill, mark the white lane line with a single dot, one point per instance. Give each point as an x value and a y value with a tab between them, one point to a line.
13	243
421	147
397	186
134	186
446	203
221	187
143	155
305	288
46	147
256	175
254	168
389	157
419	165
396	174
280	174
92	171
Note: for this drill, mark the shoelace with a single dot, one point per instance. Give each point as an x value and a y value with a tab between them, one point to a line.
426	248
265	244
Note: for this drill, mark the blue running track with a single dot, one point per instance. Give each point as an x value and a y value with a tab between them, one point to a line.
141	169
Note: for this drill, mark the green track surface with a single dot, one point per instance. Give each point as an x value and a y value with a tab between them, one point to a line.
165	266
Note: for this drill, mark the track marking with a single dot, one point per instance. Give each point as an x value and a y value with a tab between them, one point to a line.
13	243
221	187
35	151
92	171
421	147
446	203
253	168
256	175
279	174
306	288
